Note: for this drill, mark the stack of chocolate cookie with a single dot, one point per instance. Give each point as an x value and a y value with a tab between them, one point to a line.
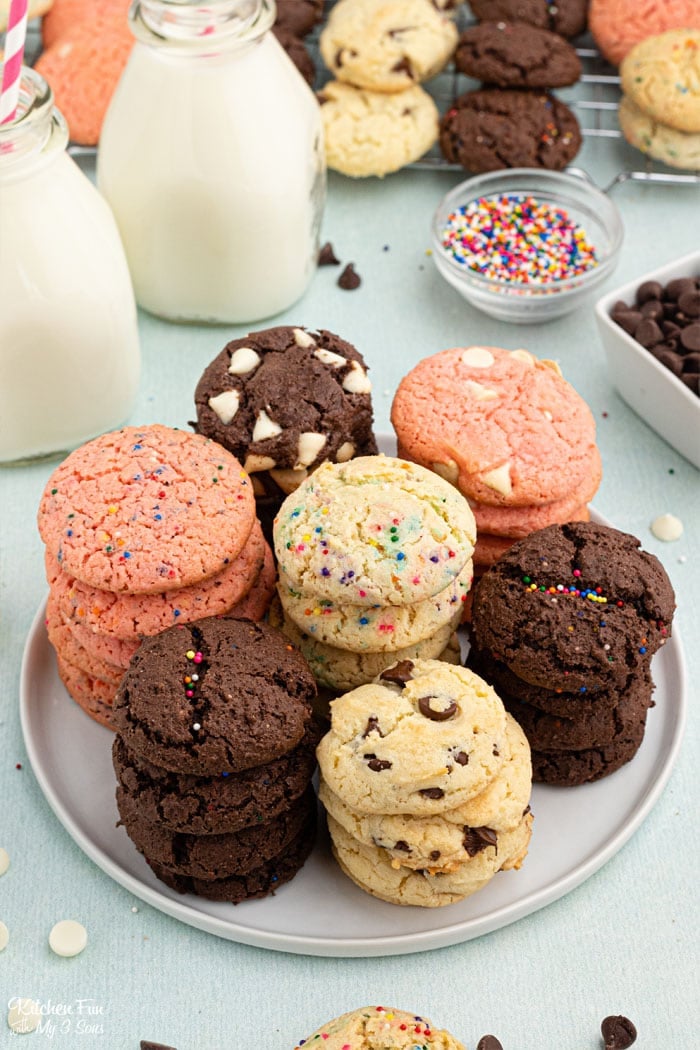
284	400
565	626
426	782
294	19
508	430
374	566
214	756
514	120
144	527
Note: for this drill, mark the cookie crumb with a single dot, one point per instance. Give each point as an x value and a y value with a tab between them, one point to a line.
618	1032
23	1015
68	938
667	527
18	765
4	860
134	909
349	279
327	257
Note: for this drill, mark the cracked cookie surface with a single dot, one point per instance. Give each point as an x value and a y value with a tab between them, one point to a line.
512	54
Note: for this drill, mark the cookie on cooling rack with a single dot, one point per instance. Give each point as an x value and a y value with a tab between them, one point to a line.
511	54
566	17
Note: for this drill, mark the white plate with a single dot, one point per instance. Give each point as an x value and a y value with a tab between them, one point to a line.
321	912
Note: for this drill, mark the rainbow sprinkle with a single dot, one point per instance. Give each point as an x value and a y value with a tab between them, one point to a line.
519	239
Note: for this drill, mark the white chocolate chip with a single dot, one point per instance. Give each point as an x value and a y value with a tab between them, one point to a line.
329	358
4	861
478	357
289	480
667	527
225	405
68	938
4	936
308	448
302	338
499	479
265	427
345	452
255	463
449	471
244	360
552	364
356	381
480	392
523	355
23	1015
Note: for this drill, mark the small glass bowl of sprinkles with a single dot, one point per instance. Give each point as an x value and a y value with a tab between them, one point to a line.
525	245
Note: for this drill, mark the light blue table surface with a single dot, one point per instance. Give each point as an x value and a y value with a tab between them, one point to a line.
626	941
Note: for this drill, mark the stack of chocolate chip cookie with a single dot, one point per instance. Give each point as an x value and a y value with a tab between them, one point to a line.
376	116
214	756
144	527
284	400
374	566
565	626
426	782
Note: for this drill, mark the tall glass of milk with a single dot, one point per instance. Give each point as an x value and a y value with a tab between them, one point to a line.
69	349
211	156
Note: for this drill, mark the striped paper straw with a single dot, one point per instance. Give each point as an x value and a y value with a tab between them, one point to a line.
14	52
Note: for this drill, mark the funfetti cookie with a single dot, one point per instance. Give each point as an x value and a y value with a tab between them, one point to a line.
380	1027
502	426
566	17
422	739
617	25
146	509
386	45
678	149
661	75
577	606
218	696
494	128
513	54
376	530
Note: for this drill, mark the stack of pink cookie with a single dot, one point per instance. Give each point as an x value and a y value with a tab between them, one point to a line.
144	528
509	432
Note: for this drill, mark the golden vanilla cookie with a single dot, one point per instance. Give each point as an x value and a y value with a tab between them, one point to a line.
661	75
678	149
380	1028
387	45
426	737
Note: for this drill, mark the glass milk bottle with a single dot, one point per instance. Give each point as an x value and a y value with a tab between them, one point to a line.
211	157
69	351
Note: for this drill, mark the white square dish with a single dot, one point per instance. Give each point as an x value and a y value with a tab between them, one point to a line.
652	390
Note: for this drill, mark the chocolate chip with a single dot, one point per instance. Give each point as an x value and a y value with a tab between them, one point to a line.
146	1044
668	358
675	289
649	290
377	764
477	839
399	674
627	319
326	256
402	846
432	793
689	303
462	758
349	280
690	337
403	66
691	362
670	328
618	1032
439	714
489	1042
654	309
648	333
692	381
372	726
435	854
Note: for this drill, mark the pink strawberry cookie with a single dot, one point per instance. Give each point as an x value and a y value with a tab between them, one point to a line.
489	547
502	426
94	695
72	652
617	25
257	600
106	647
130	617
517	522
145	510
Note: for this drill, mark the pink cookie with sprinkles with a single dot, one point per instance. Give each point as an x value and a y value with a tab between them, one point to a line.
380	1028
575	607
93	695
130	617
145	510
502	426
518	239
375	530
70	651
